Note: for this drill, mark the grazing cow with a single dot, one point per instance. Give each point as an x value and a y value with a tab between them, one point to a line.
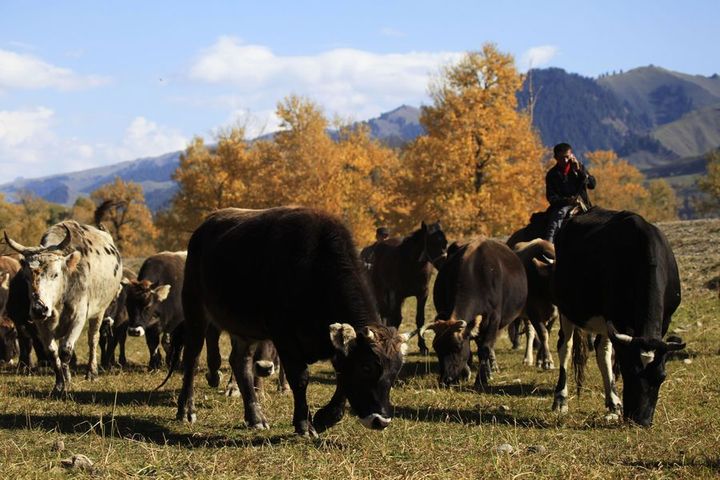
402	268
490	292
72	277
9	346
536	255
113	330
266	362
616	276
291	275
154	303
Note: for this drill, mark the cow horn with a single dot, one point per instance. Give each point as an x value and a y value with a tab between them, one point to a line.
618	337
21	249
407	336
64	242
643	342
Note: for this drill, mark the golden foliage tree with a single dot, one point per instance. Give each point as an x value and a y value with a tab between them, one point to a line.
27	220
128	219
478	167
621	186
350	176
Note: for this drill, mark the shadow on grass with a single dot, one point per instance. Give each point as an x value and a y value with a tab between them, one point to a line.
138	397
466	416
140	430
702	462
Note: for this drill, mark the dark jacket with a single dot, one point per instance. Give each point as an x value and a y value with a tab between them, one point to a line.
561	190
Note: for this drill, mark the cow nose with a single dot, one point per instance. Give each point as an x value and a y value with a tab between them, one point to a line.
40	310
264	368
136	331
376	421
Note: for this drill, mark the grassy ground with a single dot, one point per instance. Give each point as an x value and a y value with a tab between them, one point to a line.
437	433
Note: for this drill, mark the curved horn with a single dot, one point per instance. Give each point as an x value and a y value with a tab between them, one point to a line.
64	242
21	249
409	335
618	337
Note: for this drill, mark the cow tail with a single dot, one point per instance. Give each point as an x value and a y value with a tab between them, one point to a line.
177	347
579	357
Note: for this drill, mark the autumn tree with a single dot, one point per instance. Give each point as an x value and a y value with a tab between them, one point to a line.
127	218
350	175
478	167
709	185
27	220
621	186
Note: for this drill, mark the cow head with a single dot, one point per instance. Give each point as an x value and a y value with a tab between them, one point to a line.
452	346
143	299
46	270
9	347
436	244
367	362
642	364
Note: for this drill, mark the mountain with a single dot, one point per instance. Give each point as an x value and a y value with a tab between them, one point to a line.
661	121
154	174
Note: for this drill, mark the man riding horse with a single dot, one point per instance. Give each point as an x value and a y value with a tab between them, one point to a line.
566	185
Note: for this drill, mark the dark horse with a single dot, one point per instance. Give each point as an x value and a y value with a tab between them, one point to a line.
402	268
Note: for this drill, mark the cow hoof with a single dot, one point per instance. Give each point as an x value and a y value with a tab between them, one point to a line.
91	376
213	378
263	425
615	409
284	389
612	417
232	391
548	365
527	362
192	417
326	417
560	405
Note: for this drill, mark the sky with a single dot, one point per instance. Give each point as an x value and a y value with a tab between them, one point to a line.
86	84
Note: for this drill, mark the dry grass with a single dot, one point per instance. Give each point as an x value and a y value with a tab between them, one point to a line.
437	433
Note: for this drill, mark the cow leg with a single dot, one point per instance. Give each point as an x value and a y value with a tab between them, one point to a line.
25	346
298	376
486	354
232	389
120	337
212	344
529	341
241	361
603	355
283	385
194	336
565	341
93	337
544	359
395	309
331	413
152	338
420	321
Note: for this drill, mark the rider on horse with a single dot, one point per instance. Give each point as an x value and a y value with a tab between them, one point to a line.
566	185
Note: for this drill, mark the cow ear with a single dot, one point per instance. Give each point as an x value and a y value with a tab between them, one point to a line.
162	292
5	283
72	260
342	336
474	328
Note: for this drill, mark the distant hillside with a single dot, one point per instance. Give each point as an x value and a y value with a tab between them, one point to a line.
154	174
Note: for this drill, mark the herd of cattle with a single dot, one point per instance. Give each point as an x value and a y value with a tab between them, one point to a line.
289	287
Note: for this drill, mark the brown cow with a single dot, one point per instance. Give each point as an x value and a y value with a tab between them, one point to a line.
539	309
491	293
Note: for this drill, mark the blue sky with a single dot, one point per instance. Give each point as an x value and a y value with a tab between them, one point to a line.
85	84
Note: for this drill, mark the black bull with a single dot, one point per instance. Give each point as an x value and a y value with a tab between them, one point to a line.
262	275
616	275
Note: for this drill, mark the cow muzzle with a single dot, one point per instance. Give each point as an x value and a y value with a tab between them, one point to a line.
136	331
375	421
39	310
264	368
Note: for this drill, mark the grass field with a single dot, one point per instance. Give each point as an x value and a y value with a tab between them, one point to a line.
436	433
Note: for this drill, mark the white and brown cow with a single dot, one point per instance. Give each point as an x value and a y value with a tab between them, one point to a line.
72	277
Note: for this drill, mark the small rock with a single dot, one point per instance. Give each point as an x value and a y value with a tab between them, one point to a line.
58	446
687	361
504	408
77	462
504	448
537	449
612	417
698	324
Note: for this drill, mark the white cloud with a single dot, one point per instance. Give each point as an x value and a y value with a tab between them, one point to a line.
343	80
24	71
535	57
30	147
391	32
